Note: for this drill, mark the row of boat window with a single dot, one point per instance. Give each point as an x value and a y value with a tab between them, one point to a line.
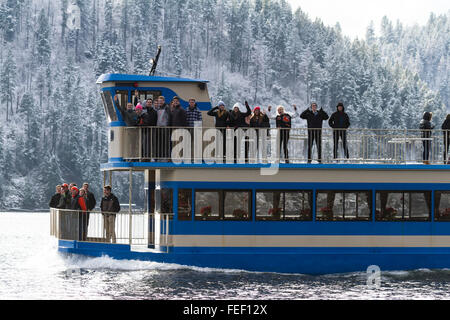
289	205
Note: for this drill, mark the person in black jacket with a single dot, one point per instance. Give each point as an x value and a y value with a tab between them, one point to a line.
65	199
426	126
109	207
340	122
54	201
222	121
446	131
152	119
236	121
284	124
315	120
179	119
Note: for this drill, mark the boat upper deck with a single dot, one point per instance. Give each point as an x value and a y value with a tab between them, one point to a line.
202	145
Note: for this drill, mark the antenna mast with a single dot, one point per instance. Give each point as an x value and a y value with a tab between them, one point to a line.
154	62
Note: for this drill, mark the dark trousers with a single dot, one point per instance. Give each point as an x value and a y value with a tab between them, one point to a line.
315	135
162	139
83	223
426	150
446	146
342	134
284	142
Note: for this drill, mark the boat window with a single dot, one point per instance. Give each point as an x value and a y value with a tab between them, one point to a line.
343	205
207	205
283	205
144	95
184	204
166	201
109	107
223	204
237	205
442	205
400	206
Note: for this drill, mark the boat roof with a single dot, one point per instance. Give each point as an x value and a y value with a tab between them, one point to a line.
115	77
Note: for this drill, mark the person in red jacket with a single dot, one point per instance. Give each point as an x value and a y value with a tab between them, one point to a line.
79	203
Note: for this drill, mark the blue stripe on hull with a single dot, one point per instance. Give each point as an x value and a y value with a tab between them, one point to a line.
302	260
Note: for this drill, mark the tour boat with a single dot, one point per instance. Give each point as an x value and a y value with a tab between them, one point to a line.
225	198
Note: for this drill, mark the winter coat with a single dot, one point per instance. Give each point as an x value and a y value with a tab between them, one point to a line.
261	121
152	117
77	203
110	204
143	120
284	121
446	126
426	125
339	120
315	120
54	201
90	200
130	118
65	200
164	116
221	118
237	119
179	119
193	115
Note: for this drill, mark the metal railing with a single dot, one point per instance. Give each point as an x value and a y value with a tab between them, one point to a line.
251	145
99	227
144	229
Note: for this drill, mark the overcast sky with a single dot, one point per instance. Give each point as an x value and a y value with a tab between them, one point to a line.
355	15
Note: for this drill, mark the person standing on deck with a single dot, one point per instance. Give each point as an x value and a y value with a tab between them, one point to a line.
143	121
426	126
90	201
78	203
193	117
340	122
284	124
109	208
315	119
222	122
129	115
236	121
446	132
179	119
65	199
54	201
164	122
152	121
193	114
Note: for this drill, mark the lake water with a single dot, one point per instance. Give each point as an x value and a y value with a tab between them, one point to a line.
31	268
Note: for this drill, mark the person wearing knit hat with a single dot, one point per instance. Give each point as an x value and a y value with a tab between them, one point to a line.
236	121
340	122
222	116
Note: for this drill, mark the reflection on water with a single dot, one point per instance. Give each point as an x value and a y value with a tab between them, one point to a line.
31	268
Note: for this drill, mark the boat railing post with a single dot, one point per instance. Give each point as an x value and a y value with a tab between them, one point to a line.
129	207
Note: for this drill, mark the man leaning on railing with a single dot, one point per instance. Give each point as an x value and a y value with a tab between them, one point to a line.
109	207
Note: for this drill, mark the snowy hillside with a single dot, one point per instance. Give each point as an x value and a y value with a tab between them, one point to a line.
52	128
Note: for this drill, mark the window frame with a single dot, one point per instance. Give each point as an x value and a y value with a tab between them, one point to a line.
437	217
283	216
221	217
189	216
378	217
344	219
